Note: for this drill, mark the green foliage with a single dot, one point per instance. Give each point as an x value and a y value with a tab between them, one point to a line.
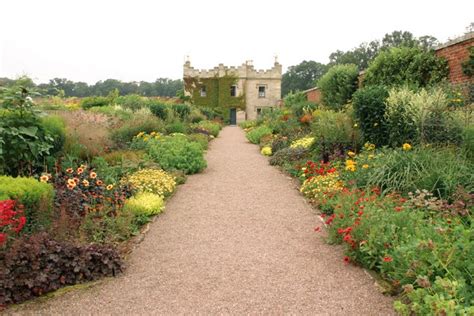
212	128
199	138
24	142
54	127
132	102
36	197
89	102
294	98
182	110
302	77
176	152
300	108
38	265
160	110
468	65
288	154
145	204
176	127
139	123
338	85
438	170
257	133
401	66
369	109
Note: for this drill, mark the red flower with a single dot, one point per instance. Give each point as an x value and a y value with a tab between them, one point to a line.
3	238
387	259
317	229
398	208
347	238
21	224
360	213
347	260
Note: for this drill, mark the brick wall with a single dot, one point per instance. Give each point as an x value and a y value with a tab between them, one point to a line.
313	95
456	52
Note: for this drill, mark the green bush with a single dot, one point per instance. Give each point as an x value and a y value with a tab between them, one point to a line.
438	170
145	204
338	85
35	196
176	152
159	109
286	155
212	128
369	109
87	103
182	110
113	110
54	126
212	114
176	127
138	123
132	102
199	138
406	65
294	98
300	108
335	132
257	133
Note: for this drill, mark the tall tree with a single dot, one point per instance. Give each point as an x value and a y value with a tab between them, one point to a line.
302	76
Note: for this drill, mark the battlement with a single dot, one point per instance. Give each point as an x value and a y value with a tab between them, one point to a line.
245	71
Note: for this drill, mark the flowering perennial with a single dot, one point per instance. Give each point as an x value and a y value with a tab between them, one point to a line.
304	142
153	181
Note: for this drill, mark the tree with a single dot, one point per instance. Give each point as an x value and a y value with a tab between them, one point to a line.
338	85
302	76
360	56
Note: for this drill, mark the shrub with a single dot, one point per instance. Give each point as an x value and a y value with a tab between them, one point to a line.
199	138
338	85
133	102
288	155
212	128
37	265
158	109
266	151
54	126
304	142
369	108
87	103
279	143
196	116
36	198
294	98
176	127
108	227
145	204
300	108
257	133
406	65
152	181
248	124
182	110
178	153
317	187
139	123
212	114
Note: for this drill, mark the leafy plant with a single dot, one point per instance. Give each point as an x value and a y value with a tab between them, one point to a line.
212	128
152	181
338	85
158	109
139	123
257	133
182	110
288	155
87	103
145	204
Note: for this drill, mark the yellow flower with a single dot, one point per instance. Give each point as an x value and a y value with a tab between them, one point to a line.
152	133
140	134
355	125
110	187
71	182
351	154
44	178
365	166
351	168
304	142
266	151
145	138
85	183
406	147
369	146
70	187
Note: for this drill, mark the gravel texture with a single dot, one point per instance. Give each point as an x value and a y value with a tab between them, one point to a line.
235	239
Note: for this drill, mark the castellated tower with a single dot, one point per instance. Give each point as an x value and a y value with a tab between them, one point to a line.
240	93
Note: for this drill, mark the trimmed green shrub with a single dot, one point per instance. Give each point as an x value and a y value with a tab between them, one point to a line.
138	123
182	110
369	109
338	84
87	103
159	109
257	133
177	153
54	126
406	65
145	204
36	197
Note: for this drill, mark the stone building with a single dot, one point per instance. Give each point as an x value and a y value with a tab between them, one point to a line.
241	93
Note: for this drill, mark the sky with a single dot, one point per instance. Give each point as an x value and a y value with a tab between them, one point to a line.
135	40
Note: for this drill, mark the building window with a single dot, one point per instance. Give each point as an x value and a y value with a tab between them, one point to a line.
233	91
203	91
261	91
259	111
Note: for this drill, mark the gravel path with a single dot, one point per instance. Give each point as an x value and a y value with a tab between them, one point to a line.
237	238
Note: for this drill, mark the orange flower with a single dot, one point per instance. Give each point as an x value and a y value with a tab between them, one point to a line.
80	170
76	180
85	183
69	170
110	187
71	182
70	187
44	178
93	175
99	182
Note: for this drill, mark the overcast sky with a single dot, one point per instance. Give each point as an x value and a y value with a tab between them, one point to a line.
133	40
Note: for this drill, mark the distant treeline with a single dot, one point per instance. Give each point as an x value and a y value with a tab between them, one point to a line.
63	87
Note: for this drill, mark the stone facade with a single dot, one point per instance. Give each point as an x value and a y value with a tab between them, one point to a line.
260	88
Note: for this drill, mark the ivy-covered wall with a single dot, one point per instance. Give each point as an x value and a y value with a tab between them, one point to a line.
217	93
